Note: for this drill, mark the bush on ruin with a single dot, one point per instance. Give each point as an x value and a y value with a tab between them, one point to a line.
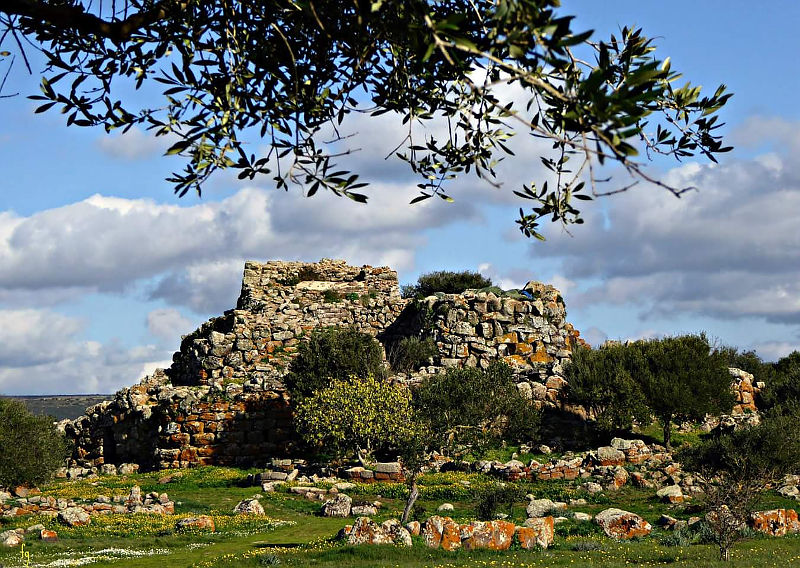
330	354
32	449
472	409
445	281
411	353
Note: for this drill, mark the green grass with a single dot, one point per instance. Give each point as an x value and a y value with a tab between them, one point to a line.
306	540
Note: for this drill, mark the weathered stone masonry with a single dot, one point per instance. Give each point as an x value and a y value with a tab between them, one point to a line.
222	400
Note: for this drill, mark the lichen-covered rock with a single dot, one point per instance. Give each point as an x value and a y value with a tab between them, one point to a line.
366	531
608	455
249	507
541	507
671	494
441	532
413	527
339	506
622	525
776	522
363	510
48	535
12	538
537	532
74	517
492	535
200	522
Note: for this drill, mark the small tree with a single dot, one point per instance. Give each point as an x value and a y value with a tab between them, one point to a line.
333	353
445	281
783	385
358	415
411	353
681	378
30	447
599	380
473	407
735	468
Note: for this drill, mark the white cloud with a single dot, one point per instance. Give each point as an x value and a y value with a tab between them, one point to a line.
729	250
774	350
133	145
167	324
41	352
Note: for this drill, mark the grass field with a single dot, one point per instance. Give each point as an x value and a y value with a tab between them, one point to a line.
291	534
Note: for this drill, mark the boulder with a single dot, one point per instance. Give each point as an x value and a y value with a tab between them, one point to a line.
48	536
491	535
339	506
249	507
541	507
413	527
200	522
441	532
583	517
608	455
367	510
537	532
445	507
366	531
622	525
11	538
74	517
671	494
776	522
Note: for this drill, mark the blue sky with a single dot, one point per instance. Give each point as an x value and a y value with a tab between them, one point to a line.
102	268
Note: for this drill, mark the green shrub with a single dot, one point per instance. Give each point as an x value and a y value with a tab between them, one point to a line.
476	408
598	380
445	281
496	497
32	449
783	384
411	353
333	353
358	415
331	297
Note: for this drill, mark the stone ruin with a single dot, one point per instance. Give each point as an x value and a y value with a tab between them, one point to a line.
222	401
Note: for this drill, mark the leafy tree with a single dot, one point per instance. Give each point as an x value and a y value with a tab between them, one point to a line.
32	449
681	378
285	73
735	468
600	381
445	281
333	353
471	407
359	415
783	385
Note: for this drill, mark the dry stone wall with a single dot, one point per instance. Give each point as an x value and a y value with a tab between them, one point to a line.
222	401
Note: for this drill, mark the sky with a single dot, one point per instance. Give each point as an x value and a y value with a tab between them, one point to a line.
102	267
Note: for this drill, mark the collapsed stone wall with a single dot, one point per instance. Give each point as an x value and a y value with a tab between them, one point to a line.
222	401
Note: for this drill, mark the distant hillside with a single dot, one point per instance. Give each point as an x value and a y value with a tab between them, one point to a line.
61	406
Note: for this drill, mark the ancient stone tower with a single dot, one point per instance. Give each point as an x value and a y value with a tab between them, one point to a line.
222	400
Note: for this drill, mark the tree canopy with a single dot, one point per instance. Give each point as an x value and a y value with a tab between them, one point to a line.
282	75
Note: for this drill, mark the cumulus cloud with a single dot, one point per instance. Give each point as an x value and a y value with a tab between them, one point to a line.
41	352
729	250
106	243
774	350
133	145
168	324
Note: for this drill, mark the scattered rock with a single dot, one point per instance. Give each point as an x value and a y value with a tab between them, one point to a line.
339	506
445	507
366	531
363	510
536	532
491	535
48	536
671	494
776	522
583	517
413	527
11	538
74	517
541	507
622	525
200	522
441	532
249	507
